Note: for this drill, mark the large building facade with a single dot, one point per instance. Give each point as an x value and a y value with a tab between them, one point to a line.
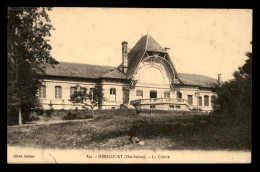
146	79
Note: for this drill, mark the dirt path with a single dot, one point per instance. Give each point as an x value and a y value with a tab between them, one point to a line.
33	155
51	122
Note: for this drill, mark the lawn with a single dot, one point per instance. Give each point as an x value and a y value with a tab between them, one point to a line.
110	130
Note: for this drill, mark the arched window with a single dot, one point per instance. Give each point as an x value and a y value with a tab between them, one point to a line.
42	92
206	100
58	92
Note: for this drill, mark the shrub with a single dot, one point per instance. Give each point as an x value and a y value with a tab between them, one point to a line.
39	111
33	118
70	116
49	112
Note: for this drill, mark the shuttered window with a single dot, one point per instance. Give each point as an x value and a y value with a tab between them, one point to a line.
206	100
58	92
200	101
190	100
42	91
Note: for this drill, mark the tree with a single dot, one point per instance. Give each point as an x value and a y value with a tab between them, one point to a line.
92	98
28	50
234	98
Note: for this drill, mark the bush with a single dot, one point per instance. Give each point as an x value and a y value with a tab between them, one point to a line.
33	118
70	116
39	111
49	112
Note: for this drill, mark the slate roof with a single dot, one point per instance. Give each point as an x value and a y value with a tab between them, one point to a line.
77	70
146	43
198	80
115	74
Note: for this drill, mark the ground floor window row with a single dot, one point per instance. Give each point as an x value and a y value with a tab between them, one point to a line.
58	92
153	94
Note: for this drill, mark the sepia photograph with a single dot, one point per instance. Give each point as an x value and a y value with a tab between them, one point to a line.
92	85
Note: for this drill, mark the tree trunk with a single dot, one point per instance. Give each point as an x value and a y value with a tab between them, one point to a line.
93	113
20	116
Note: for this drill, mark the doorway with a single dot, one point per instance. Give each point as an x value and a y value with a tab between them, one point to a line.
153	94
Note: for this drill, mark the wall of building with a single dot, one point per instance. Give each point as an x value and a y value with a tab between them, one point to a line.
64	102
112	101
192	91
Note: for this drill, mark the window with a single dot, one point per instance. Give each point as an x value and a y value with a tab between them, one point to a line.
153	94
58	92
112	96
167	94
42	91
152	106
112	91
179	95
190	100
206	100
200	101
213	100
72	91
83	90
139	93
178	106
171	106
91	91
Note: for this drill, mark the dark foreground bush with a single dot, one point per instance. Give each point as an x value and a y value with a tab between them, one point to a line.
76	115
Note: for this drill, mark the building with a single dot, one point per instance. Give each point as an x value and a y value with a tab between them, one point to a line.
146	79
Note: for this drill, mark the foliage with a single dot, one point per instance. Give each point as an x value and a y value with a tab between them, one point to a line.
77	115
92	98
234	100
27	49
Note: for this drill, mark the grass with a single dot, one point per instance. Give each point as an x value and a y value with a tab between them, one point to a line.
110	130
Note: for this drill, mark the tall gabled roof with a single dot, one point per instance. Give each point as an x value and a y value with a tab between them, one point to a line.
146	43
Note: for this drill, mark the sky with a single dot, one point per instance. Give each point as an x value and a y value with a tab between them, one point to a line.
201	41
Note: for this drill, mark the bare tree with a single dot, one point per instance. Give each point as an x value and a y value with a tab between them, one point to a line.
92	98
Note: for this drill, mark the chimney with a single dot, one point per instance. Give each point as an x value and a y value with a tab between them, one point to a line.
167	49
219	80
124	57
